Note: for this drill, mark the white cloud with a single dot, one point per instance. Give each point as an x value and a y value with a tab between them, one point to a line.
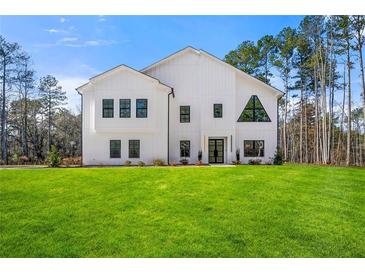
69	39
91	43
52	30
74	42
63	20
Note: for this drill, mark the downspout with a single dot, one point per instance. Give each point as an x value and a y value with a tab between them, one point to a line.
168	124
81	129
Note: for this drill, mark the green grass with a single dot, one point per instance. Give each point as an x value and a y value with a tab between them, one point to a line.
246	211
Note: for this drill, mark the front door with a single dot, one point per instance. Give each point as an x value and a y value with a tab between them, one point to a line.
216	151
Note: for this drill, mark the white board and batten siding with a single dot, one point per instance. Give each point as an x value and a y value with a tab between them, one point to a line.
199	80
123	83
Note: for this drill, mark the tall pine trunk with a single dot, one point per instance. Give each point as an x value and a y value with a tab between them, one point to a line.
285	118
4	145
363	90
348	149
49	137
316	123
340	133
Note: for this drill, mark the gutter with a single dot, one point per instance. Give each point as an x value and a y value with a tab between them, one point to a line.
168	124
81	129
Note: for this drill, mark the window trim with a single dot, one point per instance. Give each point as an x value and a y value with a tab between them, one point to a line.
104	108
110	149
253	109
186	115
221	106
129	149
253	149
185	155
146	108
120	108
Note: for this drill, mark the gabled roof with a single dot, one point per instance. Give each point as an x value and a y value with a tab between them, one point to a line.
119	68
200	51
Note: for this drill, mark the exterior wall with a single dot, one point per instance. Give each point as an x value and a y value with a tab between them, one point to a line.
266	131
200	82
98	131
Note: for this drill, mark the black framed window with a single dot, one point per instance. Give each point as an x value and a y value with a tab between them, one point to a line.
115	148
184	114
125	108
254	112
141	108
218	110
185	148
253	148
134	147
108	108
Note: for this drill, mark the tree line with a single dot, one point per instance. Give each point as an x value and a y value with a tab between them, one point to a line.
319	121
33	114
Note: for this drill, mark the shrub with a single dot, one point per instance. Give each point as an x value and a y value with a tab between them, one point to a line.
53	158
236	162
278	157
158	162
238	156
127	163
200	156
254	162
141	163
23	159
72	161
15	158
184	161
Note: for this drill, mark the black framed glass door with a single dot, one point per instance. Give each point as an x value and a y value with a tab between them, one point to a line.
216	151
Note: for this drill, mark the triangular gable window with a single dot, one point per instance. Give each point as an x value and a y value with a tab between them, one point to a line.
254	112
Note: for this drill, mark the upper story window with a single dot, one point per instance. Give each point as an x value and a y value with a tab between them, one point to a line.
114	148
218	110
184	114
184	148
253	148
134	147
141	108
125	108
108	108
254	112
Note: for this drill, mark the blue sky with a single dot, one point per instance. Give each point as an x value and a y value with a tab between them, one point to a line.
74	48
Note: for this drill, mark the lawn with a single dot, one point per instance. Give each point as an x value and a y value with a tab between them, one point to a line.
246	211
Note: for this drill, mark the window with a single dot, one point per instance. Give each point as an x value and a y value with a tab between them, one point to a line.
253	148
125	108
184	148
254	112
133	148
184	114
114	148
218	110
108	108
141	108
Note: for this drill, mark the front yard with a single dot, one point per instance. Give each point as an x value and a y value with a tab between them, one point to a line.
246	211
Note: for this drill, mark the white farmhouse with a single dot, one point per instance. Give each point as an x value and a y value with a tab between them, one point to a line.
187	104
